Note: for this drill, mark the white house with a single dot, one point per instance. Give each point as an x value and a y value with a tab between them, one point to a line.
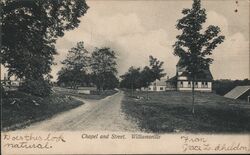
158	85
183	82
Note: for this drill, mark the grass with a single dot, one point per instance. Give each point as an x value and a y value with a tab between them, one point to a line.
29	109
171	112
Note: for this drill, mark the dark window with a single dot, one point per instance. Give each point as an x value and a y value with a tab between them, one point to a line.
161	88
181	84
189	84
206	86
196	84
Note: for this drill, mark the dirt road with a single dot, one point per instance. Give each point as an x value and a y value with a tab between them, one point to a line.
94	115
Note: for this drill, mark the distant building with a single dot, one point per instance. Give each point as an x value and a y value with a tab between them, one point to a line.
158	85
86	90
239	92
183	82
10	85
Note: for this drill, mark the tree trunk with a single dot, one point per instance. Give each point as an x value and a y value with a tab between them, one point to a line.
147	92
193	111
132	91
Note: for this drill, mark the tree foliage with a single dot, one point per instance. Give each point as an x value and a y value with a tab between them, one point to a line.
223	86
74	72
136	78
110	81
30	29
103	65
131	79
194	46
38	87
77	58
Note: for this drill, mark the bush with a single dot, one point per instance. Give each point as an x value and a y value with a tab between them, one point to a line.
40	87
2	91
222	87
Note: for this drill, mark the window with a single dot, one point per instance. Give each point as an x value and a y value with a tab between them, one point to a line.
161	88
149	88
202	85
196	84
205	85
181	84
189	84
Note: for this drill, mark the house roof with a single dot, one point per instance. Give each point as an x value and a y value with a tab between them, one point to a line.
204	75
237	92
172	79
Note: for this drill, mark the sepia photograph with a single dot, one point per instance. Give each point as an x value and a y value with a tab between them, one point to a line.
138	73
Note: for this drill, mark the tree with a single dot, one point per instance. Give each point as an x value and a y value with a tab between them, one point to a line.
74	71
152	73
30	29
103	63
131	79
111	81
136	78
194	46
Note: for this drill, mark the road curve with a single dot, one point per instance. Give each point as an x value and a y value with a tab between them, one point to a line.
94	115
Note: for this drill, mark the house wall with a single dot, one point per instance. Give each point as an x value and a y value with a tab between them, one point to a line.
170	86
157	88
182	78
186	86
160	88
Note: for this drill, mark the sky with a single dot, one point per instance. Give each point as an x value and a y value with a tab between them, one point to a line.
135	29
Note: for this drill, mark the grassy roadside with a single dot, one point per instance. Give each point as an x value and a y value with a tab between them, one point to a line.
21	109
171	112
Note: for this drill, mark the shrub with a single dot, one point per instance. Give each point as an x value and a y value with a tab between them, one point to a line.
2	91
40	87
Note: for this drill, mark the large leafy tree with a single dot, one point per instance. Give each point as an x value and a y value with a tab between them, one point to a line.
131	79
195	45
30	29
155	69
136	78
111	81
103	64
152	72
74	72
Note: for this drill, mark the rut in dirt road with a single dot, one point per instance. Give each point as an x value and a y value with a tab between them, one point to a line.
94	115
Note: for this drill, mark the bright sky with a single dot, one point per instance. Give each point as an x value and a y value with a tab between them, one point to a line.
136	29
